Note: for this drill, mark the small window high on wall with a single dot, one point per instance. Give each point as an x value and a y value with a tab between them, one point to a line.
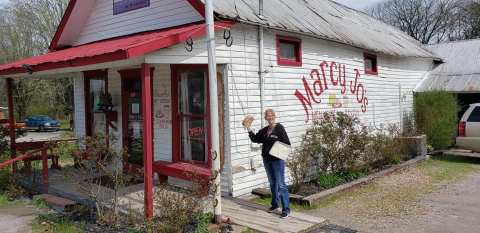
289	51
371	65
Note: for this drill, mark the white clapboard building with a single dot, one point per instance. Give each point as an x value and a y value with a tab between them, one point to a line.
299	57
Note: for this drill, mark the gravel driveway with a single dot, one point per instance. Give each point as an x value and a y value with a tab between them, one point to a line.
17	218
410	201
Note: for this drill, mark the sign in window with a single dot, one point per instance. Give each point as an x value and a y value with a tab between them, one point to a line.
122	6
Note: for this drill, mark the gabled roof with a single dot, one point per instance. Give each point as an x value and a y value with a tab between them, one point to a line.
461	71
77	13
327	20
109	50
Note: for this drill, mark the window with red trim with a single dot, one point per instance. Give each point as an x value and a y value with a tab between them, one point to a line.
289	51
371	65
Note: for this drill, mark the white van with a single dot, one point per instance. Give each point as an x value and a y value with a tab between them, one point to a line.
469	129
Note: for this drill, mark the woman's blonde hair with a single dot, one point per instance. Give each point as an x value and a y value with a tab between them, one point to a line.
269	110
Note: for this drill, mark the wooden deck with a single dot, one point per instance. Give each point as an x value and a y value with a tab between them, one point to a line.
240	212
256	217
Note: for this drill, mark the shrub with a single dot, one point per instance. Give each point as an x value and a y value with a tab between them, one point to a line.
436	116
336	141
178	210
385	146
299	165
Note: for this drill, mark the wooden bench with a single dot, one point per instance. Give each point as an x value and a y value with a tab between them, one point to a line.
184	171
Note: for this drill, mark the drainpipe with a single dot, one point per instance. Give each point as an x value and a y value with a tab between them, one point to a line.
261	57
212	83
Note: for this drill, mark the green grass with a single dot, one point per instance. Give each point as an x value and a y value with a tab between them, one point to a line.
449	168
53	223
65	124
398	192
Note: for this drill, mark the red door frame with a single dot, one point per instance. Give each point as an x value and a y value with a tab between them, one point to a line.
130	74
92	75
176	140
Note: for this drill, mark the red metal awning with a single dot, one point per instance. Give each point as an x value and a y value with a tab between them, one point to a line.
109	50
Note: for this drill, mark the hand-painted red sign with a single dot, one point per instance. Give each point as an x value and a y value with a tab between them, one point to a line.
122	6
195	132
336	73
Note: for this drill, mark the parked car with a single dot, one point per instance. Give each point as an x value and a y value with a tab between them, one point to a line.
469	129
20	128
42	123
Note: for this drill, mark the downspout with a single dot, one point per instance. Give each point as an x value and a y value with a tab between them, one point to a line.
261	56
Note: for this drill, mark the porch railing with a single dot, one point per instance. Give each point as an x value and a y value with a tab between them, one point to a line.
31	150
30	154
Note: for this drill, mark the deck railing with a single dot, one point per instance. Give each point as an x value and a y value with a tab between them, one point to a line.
31	149
30	154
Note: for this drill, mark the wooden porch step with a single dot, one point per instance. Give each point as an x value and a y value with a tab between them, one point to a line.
58	203
256	217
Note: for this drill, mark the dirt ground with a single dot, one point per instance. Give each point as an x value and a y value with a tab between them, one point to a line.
426	199
17	218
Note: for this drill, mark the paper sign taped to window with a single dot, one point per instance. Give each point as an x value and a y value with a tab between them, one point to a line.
280	150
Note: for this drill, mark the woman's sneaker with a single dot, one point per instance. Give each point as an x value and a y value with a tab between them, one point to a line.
284	215
272	209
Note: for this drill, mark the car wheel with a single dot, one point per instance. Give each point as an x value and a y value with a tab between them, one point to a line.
41	128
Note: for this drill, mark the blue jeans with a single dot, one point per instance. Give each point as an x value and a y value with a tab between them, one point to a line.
276	177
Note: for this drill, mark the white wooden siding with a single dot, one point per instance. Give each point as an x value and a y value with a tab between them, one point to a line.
162	109
243	168
79	105
280	85
102	24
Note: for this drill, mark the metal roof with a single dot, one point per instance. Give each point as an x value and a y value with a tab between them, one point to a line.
461	71
327	20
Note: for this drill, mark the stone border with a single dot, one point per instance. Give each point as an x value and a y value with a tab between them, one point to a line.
314	198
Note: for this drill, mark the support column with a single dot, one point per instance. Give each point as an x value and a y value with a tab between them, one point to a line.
147	140
11	122
212	84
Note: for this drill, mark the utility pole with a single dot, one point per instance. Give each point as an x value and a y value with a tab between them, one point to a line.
212	82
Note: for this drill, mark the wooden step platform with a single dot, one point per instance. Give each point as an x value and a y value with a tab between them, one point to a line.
256	217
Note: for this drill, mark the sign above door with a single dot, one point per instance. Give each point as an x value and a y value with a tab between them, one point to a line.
122	6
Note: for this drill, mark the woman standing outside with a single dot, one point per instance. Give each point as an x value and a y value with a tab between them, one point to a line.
274	167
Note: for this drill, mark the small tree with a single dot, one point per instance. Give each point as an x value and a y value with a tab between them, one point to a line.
336	141
436	116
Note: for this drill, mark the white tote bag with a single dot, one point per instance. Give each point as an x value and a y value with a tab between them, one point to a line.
280	150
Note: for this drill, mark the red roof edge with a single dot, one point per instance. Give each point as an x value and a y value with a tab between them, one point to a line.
126	53
172	40
196	4
84	61
199	6
66	16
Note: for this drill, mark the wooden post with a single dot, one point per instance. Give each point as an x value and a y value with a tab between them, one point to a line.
11	122
45	170
147	140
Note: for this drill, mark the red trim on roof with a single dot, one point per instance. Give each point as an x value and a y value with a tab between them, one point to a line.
110	50
61	26
198	5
